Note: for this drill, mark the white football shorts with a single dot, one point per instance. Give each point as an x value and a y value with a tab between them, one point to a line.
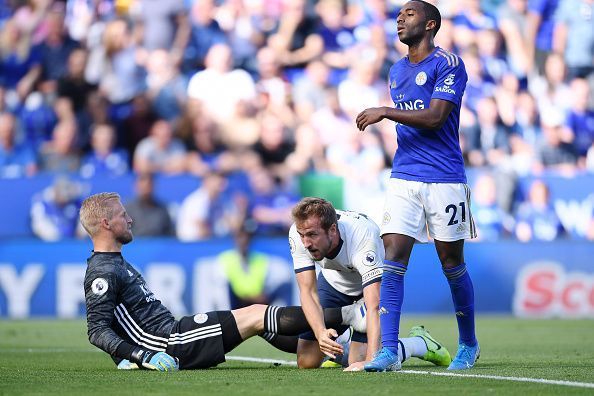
414	208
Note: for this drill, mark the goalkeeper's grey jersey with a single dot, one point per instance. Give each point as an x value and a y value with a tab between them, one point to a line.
120	307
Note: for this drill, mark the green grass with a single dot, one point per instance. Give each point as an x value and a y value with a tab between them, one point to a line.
54	357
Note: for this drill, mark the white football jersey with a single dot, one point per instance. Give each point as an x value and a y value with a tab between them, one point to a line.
359	261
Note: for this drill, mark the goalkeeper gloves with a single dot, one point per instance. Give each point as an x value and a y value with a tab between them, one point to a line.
151	360
127	365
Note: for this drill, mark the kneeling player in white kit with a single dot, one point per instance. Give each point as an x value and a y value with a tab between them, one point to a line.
348	248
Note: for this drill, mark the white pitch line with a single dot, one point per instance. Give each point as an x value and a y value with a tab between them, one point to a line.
438	373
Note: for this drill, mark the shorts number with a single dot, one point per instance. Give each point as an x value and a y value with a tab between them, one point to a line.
453	208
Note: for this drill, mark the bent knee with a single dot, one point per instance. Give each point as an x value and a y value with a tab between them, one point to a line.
308	362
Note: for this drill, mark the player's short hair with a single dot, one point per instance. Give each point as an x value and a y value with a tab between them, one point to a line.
94	208
431	13
313	206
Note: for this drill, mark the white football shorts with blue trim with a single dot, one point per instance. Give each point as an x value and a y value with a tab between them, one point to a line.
417	209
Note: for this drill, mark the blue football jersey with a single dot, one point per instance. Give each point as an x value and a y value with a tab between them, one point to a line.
430	156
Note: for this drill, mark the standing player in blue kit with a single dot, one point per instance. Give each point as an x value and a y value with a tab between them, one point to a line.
427	190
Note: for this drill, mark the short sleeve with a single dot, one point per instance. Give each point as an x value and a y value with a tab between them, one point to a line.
368	259
451	78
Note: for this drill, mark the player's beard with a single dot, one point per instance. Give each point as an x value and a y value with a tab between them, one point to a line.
125	238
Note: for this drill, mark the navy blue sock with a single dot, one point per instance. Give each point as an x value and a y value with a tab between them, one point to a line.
463	298
391	297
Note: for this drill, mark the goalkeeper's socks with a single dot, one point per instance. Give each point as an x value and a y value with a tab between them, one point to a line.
391	297
413	346
284	343
292	321
463	297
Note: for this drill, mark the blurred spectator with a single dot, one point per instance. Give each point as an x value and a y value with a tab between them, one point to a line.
297	41
104	159
487	141
574	36
61	154
30	18
270	204
20	61
512	21
489	51
56	47
361	88
208	212
115	66
540	24
38	119
274	146
218	89
253	276
552	94
309	155
139	122
206	152
151	218
491	221
468	22
337	38
164	25
556	149
273	90
16	160
72	83
536	217
580	118
205	33
309	91
166	86
160	152
54	211
84	16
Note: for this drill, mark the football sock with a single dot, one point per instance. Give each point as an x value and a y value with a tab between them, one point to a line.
284	343
463	298
292	321
391	297
414	346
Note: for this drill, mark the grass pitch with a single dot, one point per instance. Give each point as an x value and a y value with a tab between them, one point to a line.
54	357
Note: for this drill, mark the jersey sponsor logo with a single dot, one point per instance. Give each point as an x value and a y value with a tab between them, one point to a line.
200	318
370	258
99	286
421	78
418	104
292	245
450	79
445	89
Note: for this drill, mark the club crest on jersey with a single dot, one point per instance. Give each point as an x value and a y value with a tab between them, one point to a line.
369	259
292	244
99	286
200	318
421	78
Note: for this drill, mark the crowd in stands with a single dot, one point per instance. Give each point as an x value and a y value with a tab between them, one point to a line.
270	89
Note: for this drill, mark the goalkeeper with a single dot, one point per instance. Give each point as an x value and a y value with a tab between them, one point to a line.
126	320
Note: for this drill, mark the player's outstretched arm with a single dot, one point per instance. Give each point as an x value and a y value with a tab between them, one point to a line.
312	309
431	118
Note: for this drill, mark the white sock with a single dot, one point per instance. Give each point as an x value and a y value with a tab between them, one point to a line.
413	346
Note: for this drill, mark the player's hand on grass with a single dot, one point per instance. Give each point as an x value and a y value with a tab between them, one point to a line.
152	360
358	366
328	346
127	365
369	116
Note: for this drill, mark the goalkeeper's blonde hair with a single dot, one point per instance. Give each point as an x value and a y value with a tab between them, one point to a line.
95	208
